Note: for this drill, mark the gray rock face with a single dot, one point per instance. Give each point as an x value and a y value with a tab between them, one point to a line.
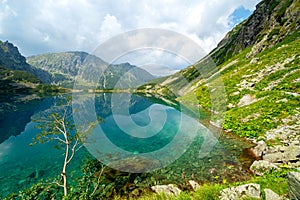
293	179
270	195
246	100
260	167
251	190
166	189
283	153
288	150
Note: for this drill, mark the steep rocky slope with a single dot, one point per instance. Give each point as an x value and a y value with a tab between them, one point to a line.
270	24
16	76
11	58
258	65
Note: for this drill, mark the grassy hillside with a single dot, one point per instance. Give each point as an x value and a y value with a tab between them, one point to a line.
270	24
270	81
257	67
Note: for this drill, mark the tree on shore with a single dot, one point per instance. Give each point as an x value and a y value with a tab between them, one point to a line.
57	124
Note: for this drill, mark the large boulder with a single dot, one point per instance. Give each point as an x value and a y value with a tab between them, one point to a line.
166	189
250	190
293	179
283	154
259	167
271	195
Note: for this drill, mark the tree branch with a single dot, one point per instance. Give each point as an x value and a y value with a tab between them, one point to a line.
73	152
58	138
98	181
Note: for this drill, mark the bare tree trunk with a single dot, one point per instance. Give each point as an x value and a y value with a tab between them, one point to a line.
64	171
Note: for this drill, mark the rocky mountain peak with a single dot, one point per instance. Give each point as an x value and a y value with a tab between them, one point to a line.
10	57
269	24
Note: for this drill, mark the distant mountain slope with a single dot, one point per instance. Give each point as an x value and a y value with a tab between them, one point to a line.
64	68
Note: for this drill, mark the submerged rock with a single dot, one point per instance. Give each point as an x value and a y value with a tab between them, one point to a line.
166	189
136	164
250	190
22	181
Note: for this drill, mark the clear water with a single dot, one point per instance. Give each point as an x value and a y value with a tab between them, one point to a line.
136	135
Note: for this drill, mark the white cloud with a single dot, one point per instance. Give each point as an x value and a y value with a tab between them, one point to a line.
38	26
109	27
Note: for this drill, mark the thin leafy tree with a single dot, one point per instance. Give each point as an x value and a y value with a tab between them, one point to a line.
56	124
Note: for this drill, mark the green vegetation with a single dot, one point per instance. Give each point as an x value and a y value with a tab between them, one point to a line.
265	71
269	79
95	184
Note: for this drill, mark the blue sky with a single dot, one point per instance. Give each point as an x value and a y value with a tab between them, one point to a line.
40	26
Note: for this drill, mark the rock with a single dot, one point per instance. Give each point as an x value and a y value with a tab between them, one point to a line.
166	189
259	167
235	93
270	195
230	106
247	99
22	181
282	100
250	190
293	179
194	184
283	154
254	60
259	149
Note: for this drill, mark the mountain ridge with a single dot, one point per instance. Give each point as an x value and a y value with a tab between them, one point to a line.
65	67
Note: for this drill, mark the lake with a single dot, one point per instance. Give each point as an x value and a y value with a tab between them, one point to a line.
135	134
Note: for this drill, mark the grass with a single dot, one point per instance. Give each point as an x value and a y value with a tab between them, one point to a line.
270	111
275	181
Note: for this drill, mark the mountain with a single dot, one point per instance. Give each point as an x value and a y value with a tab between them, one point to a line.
272	22
18	79
16	76
257	65
11	58
65	67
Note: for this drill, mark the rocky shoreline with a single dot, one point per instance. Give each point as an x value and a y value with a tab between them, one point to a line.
279	148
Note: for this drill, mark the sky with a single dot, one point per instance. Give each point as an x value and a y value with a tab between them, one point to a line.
42	26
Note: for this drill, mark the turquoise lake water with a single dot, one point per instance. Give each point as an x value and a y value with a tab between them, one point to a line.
136	134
